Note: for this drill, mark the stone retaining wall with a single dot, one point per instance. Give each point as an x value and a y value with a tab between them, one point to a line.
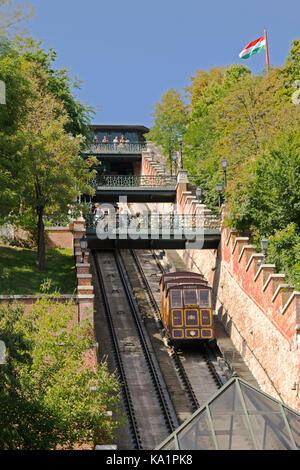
260	312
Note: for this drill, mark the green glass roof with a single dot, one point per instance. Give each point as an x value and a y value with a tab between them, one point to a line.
238	417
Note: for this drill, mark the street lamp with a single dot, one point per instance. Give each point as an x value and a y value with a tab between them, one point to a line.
175	162
198	194
224	166
83	247
264	243
180	145
219	189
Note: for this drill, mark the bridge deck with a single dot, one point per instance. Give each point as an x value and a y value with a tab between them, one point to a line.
173	231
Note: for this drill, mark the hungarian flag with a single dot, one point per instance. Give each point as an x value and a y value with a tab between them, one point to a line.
253	48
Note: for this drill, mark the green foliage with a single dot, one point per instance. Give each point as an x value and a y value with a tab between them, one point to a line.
205	130
291	71
45	393
266	197
43	128
284	252
59	83
170	118
253	122
19	275
12	15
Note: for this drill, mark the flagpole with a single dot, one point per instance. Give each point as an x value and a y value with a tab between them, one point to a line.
267	52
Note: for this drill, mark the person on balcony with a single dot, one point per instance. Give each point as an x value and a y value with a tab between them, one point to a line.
105	141
97	212
95	140
122	140
116	142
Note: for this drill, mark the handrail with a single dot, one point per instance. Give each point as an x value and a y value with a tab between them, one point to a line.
162	222
148	181
115	148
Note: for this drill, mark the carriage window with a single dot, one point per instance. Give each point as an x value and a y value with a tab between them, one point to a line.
190	297
177	317
204	297
176	301
191	317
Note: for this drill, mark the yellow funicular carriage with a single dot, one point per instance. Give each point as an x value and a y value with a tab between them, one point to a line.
186	307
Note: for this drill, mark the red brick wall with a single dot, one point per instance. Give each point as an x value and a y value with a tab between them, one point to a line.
259	312
59	237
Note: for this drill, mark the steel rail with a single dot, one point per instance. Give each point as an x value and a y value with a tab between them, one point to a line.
204	349
178	364
152	368
118	359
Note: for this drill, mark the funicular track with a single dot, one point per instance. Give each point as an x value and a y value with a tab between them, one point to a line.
143	395
187	361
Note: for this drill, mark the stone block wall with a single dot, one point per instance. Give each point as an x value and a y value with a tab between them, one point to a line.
259	310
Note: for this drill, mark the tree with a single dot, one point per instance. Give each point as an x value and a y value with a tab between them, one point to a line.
45	386
41	173
12	15
284	252
50	170
291	71
204	130
201	80
265	198
170	118
59	83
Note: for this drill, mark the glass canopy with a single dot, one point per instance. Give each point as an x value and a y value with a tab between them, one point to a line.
238	417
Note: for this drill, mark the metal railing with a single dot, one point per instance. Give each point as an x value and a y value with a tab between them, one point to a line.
133	181
115	148
159	223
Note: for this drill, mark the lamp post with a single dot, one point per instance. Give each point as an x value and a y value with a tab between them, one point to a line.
175	162
198	194
264	243
224	166
219	189
83	247
180	146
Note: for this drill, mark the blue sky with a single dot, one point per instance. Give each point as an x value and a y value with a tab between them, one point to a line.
128	53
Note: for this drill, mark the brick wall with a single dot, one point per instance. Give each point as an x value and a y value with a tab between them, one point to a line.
59	237
259	310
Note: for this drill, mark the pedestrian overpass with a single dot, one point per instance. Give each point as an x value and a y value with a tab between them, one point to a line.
153	231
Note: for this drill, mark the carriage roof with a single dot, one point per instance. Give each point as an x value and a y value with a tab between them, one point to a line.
178	275
187	285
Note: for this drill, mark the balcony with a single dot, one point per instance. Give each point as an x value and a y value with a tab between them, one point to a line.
133	181
110	148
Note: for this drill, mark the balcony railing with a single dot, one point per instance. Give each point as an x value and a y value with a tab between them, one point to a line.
127	148
133	181
159	224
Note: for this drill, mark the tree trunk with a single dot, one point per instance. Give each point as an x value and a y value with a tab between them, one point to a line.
41	253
